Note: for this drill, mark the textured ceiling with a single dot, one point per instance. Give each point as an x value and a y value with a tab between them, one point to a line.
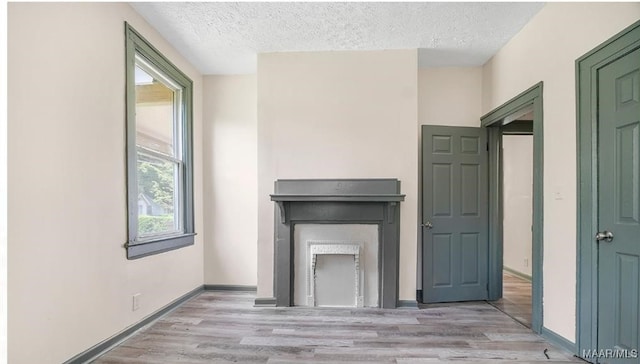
224	38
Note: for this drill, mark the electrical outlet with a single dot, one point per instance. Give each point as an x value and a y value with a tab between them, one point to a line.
136	302
526	262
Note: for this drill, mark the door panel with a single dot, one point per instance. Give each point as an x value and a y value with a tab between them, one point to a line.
455	197
441	252
619	204
470	179
470	246
441	190
627	174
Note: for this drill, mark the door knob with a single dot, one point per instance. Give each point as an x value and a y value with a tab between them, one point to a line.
604	235
428	225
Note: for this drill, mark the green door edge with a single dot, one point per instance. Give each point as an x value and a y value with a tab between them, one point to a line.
587	222
531	96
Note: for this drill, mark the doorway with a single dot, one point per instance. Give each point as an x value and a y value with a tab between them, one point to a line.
517	205
462	215
608	276
504	119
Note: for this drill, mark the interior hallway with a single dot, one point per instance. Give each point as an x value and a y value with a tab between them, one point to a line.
225	327
516	298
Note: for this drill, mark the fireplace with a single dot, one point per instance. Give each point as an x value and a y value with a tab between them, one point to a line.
338	201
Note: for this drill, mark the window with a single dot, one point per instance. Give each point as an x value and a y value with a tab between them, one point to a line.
159	151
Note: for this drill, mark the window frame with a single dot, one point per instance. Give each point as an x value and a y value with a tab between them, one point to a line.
136	246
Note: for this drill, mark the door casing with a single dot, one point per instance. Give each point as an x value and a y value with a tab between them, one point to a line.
530	98
587	222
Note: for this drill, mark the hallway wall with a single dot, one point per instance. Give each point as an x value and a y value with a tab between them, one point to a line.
517	202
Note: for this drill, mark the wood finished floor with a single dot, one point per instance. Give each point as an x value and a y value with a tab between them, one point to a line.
224	327
516	300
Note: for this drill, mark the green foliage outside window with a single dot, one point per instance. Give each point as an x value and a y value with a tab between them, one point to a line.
156	181
154	224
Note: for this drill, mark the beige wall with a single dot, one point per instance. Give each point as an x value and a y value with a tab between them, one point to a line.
70	285
517	201
450	96
3	199
546	50
230	180
338	115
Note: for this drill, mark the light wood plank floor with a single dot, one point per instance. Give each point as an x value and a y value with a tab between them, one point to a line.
225	327
516	300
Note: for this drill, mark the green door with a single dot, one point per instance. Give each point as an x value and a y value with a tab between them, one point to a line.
455	214
619	205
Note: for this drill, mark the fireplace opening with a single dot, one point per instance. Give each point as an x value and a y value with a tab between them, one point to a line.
336	265
335	281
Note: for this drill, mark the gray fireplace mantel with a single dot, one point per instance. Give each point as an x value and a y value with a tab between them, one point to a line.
338	201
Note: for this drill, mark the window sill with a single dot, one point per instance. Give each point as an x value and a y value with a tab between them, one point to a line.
160	245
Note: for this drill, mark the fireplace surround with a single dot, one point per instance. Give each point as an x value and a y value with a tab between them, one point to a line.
337	201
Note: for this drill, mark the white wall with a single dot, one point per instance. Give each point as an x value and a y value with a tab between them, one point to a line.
517	202
230	180
70	284
338	115
546	50
450	96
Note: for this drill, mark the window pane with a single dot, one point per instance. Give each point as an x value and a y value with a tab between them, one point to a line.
155	113
157	203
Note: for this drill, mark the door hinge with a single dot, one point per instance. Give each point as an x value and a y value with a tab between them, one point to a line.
487	146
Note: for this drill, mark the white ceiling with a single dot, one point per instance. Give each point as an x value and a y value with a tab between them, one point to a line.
224	38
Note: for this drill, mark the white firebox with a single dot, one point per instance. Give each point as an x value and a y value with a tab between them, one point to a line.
336	265
334	274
